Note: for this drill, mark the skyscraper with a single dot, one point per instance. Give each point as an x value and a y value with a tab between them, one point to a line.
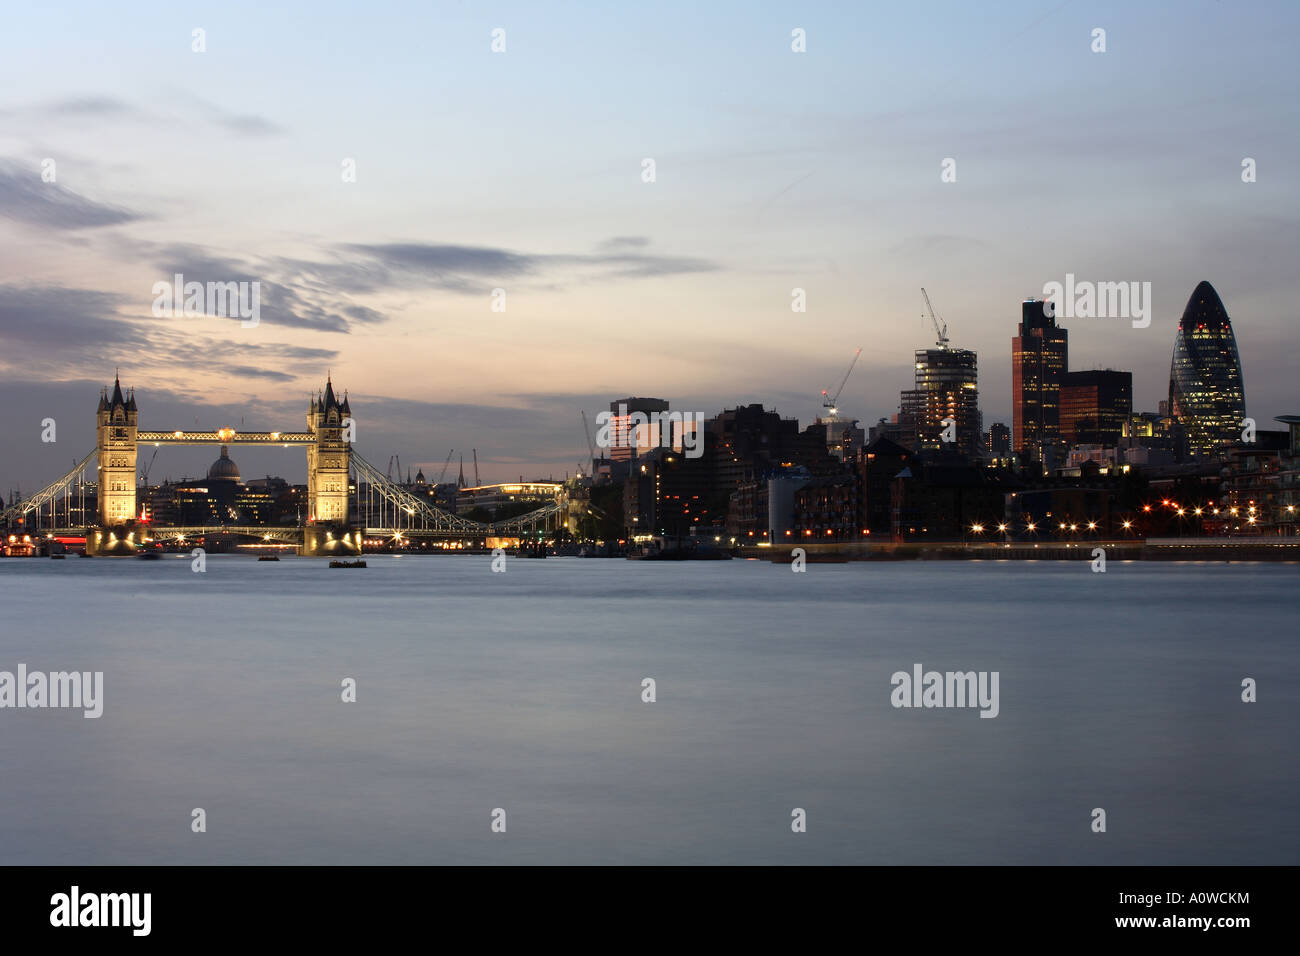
946	387
629	440
1206	393
1095	405
999	440
1039	358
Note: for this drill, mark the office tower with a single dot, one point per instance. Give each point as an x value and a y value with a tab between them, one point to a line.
1206	393
999	440
1039	358
626	439
844	437
946	387
1095	405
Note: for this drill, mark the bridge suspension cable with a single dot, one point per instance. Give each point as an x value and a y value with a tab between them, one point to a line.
398	509
51	494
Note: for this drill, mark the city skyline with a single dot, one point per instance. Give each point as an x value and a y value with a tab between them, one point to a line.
742	433
681	287
1031	309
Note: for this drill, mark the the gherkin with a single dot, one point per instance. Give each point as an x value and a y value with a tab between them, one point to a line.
1206	393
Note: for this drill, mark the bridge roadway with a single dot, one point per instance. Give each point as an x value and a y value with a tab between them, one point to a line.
294	533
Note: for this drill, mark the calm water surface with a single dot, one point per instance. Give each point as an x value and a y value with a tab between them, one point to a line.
523	691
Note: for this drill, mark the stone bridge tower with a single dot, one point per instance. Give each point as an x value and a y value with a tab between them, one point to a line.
329	460
115	421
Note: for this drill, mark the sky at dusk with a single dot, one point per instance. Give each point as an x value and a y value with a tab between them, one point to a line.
522	170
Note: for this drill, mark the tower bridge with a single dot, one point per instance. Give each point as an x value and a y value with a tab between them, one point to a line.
335	523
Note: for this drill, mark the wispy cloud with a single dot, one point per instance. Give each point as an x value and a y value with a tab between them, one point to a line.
26	198
89	106
447	267
248	124
194	110
59	331
623	243
459	268
293	294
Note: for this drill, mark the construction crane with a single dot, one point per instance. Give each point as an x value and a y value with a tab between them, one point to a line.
444	466
476	478
591	445
831	403
149	467
940	327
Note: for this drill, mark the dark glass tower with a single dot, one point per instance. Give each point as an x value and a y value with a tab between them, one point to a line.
1039	358
1095	405
1206	393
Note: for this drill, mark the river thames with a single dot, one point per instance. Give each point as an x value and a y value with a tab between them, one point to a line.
523	691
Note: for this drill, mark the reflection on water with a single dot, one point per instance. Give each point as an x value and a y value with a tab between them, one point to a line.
523	691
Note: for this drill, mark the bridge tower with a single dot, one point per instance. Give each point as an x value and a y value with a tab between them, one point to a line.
329	459
115	421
